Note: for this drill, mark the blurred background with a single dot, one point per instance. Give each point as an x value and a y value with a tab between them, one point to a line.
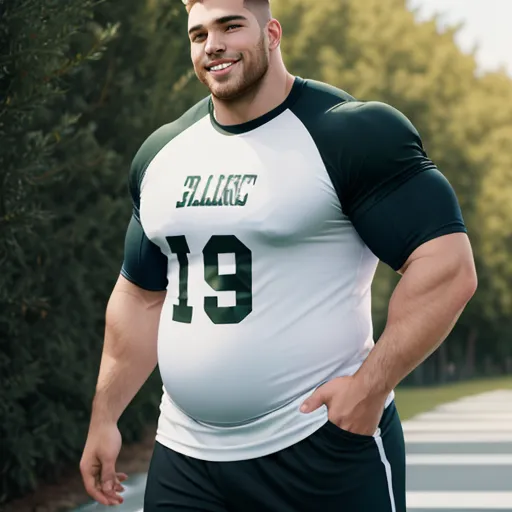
84	82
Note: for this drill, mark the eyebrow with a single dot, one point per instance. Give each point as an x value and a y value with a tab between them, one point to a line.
220	21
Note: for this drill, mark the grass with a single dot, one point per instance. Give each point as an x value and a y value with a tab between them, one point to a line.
412	401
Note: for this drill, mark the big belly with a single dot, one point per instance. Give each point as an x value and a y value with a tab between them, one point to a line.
226	384
229	375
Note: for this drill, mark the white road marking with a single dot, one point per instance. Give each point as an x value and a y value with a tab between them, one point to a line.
465	500
485	418
476	407
464	416
451	426
459	460
501	395
458	437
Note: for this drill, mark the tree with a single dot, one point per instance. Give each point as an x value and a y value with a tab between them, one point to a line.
380	52
37	58
83	84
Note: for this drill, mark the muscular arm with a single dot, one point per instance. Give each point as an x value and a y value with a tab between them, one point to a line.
438	280
129	356
130	345
130	348
408	214
133	314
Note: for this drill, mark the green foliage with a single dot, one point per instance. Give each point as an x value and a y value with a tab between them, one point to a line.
378	51
83	84
37	59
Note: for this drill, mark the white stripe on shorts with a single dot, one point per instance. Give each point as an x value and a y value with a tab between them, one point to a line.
387	466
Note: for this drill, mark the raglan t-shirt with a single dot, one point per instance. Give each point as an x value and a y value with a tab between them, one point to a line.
266	236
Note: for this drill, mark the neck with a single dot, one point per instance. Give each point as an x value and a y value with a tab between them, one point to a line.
270	93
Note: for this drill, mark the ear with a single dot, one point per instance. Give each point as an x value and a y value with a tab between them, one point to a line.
274	34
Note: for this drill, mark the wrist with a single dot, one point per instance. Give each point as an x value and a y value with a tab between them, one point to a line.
371	385
102	413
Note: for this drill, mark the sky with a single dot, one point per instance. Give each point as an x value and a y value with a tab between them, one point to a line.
487	23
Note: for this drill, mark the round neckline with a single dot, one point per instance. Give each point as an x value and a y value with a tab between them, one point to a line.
237	129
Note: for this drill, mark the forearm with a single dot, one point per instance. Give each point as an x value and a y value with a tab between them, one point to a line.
130	349
423	310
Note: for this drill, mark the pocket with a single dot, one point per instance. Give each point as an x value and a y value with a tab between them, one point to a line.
345	434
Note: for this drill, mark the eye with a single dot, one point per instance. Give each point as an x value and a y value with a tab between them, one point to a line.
233	26
198	37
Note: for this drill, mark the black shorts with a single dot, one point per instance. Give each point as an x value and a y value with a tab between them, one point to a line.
330	471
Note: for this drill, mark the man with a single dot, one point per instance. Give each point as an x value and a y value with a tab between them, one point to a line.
259	218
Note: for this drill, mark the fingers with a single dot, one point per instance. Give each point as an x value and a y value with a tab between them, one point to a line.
92	487
316	400
104	490
111	483
122	477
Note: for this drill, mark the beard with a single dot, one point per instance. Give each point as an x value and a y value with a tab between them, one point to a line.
243	82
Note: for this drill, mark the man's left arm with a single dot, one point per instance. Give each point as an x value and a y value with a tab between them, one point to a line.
408	215
438	280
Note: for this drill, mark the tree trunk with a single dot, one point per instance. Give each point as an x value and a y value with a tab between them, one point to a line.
442	363
469	369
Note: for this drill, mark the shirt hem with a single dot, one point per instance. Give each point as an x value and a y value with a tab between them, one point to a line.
237	453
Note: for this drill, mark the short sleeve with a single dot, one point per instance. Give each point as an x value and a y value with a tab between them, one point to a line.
392	192
144	264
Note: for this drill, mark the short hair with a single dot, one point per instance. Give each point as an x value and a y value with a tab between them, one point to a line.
260	8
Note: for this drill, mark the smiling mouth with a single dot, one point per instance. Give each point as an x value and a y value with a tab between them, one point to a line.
221	67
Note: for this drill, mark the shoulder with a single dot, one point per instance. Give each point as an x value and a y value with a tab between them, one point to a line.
164	134
372	131
317	100
332	114
331	103
324	93
373	118
159	138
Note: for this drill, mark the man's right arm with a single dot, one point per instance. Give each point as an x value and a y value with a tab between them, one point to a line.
132	319
128	359
130	348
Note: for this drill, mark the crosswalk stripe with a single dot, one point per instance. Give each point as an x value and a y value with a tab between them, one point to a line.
454	426
465	500
493	396
459	459
475	417
476	407
458	437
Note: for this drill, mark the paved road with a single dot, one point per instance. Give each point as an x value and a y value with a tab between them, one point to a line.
459	458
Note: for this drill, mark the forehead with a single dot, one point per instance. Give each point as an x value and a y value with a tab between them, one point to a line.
207	11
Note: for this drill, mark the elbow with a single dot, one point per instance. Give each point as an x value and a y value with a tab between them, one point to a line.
466	281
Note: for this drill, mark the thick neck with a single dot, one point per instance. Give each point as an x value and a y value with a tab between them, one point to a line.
271	92
266	117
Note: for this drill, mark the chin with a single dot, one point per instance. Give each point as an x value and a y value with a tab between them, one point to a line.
227	91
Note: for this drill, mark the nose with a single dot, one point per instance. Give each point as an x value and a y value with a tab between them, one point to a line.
214	44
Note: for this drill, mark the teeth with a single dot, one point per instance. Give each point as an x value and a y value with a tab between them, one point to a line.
221	66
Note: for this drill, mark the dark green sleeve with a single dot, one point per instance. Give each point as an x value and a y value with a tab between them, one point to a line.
392	192
144	263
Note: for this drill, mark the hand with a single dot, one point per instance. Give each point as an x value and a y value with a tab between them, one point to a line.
97	466
350	406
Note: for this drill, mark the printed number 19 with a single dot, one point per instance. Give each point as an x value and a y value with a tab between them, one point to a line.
240	282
